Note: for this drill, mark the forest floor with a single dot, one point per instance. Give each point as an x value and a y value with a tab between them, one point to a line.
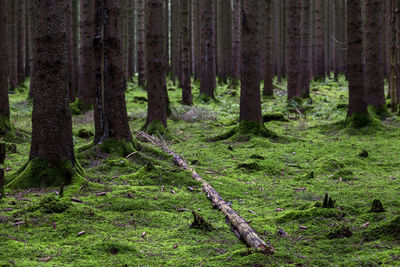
137	211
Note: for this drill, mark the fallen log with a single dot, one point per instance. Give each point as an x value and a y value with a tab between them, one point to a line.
240	225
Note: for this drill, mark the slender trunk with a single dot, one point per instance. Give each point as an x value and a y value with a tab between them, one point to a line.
268	73
250	102
236	40
70	63
185	55
196	38
4	105
88	31
357	103
393	78
319	57
131	36
13	54
75	46
27	41
373	75
292	47
207	46
32	30
156	84
21	41
111	118
305	64
141	61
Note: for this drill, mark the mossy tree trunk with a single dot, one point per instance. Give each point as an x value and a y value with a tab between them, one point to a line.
111	118
305	42
250	102
88	31
156	84
51	119
207	47
374	70
292	47
185	54
357	103
4	105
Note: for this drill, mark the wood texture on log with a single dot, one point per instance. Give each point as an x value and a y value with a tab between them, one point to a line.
246	232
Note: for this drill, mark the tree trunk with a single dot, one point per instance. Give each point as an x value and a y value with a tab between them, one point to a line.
13	54
268	73
32	30
236	40
166	33
88	31
75	46
70	63
185	54
374	70
27	41
21	41
357	104
207	46
51	118
175	29
111	118
2	155
319	57
156	84
224	36
305	49
196	38
4	105
131	36
393	78
292	47
141	61
250	102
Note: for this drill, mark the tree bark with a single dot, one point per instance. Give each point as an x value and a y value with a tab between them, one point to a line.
250	102
75	46
88	31
207	46
268	72
374	67
111	118
156	84
27	41
13	54
292	47
196	38
2	156
131	36
21	41
357	103
51	118
32	30
70	63
236	40
141	61
185	54
305	49
4	105
319	56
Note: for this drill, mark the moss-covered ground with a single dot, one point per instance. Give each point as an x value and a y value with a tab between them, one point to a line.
137	210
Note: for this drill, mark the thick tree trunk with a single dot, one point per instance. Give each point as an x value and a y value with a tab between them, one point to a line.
292	47
156	84
393	78
175	35
357	104
374	70
88	31
250	102
141	61
207	46
21	41
166	33
111	118
305	49
70	63
13	54
319	56
224	36
185	54
4	105
268	72
51	118
75	46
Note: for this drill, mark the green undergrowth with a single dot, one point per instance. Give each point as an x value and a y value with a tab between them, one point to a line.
311	195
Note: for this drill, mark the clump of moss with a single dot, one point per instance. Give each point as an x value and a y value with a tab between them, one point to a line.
363	153
345	173
342	106
5	125
361	120
41	173
377	206
85	133
332	165
117	147
200	223
54	204
78	107
309	214
251	166
390	228
11	148
274	117
381	112
340	232
256	156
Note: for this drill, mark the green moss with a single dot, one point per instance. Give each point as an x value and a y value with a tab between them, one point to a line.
117	147
332	165
78	107
387	228
251	166
85	133
54	204
309	214
255	128
5	126
381	112
205	98
359	120
274	117
40	173
156	128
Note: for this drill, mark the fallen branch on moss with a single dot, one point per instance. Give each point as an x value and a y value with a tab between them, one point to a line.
241	227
